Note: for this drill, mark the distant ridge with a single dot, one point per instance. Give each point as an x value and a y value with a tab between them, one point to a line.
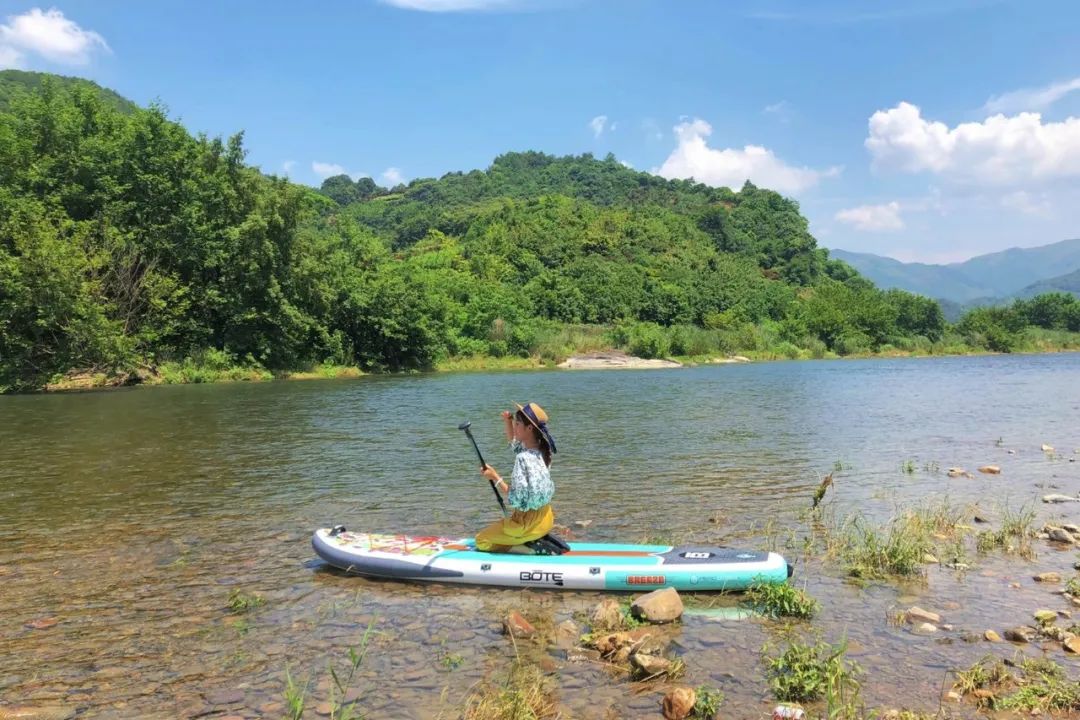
983	278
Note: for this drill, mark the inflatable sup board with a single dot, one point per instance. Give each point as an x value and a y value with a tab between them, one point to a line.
587	566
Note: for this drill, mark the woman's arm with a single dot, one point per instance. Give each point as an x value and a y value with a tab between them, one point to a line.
508	420
490	474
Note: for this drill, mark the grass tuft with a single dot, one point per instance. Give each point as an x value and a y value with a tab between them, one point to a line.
781	600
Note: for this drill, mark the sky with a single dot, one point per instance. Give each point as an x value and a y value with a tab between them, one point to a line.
924	130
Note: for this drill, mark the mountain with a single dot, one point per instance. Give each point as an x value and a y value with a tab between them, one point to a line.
982	278
1069	282
936	281
20	82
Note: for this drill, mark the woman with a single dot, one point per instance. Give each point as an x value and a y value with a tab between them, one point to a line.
530	488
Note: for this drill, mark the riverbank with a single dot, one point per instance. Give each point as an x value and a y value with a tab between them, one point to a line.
194	372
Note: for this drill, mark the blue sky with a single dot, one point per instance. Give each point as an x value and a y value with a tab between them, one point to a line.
923	130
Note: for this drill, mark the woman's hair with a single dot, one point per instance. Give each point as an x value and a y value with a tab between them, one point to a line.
545	448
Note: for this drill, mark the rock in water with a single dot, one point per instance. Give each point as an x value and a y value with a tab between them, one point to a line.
1072	644
567	634
650	665
607	615
1047	448
918	615
517	626
1020	634
1048	577
1059	498
658	606
992	636
1045	616
1061	535
42	712
679	703
990	469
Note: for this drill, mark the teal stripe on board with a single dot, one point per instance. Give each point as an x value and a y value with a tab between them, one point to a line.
732	580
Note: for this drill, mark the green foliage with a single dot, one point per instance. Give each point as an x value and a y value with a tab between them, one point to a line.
804	673
707	704
1013	537
295	697
125	241
241	602
781	600
1040	685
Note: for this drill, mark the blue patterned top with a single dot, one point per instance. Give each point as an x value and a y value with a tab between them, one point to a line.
530	483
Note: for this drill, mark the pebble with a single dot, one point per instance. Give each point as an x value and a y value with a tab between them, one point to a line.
324	708
1045	616
1072	644
926	628
917	614
1059	498
224	697
517	626
1020	634
1048	577
42	623
992	636
990	469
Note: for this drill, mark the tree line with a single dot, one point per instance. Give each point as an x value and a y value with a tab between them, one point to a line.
125	241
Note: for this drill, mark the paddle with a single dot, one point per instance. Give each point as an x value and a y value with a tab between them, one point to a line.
465	426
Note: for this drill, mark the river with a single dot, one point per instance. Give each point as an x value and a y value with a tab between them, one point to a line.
129	517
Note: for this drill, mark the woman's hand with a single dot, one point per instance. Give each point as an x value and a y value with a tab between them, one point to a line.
507	415
490	474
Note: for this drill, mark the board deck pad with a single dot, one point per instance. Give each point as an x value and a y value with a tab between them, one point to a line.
595	566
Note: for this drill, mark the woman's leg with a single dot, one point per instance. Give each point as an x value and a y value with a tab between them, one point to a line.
518	529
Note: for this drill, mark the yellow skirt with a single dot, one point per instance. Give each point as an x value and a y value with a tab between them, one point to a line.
521	527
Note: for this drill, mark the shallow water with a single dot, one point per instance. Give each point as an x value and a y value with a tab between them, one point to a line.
129	517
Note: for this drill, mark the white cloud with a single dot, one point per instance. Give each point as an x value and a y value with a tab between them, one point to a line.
392	176
1024	202
693	158
597	125
327	169
48	34
451	5
998	151
873	218
626	164
1031	98
9	58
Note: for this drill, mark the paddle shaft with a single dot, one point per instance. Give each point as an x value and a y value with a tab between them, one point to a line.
498	495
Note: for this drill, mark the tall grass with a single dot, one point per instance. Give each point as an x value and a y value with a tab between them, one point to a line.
525	694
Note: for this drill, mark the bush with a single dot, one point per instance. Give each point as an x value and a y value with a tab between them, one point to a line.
649	340
803	673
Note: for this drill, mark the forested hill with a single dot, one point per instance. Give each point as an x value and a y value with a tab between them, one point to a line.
17	83
753	223
127	243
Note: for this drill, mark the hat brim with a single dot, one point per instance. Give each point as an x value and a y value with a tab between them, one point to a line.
532	422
